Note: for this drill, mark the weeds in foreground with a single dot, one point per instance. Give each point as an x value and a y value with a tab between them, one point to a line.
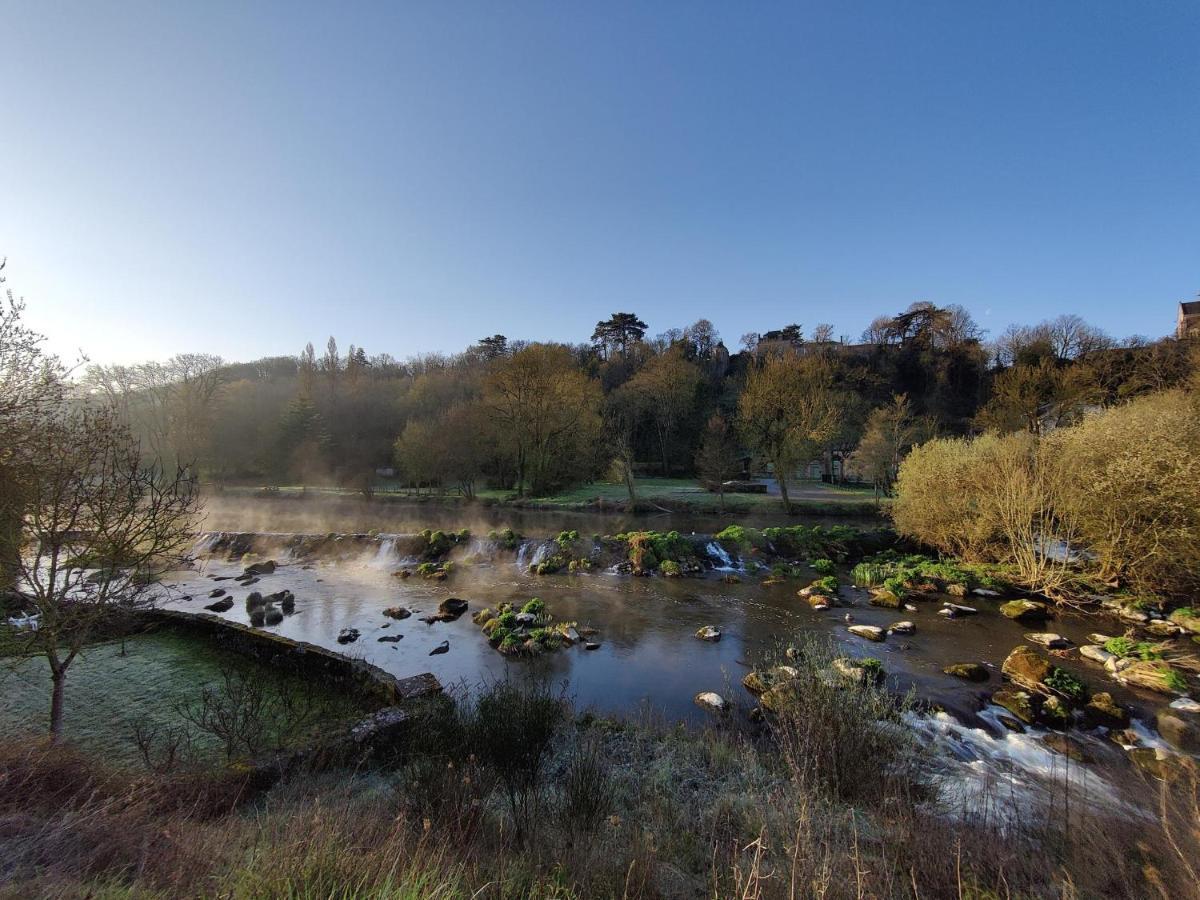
830	800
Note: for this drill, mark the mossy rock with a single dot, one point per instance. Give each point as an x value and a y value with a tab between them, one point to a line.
483	616
1187	619
1025	611
1102	710
968	671
886	599
1027	669
1021	704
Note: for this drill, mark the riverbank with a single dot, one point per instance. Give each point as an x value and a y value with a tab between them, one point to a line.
517	796
654	495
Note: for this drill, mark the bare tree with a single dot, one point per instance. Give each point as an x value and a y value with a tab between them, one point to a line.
99	525
719	460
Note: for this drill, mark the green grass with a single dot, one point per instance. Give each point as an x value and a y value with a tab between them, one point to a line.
107	691
677	493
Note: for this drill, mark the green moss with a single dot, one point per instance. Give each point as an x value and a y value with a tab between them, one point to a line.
534	607
566	538
670	568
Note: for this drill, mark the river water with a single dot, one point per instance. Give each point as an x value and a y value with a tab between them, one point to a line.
648	656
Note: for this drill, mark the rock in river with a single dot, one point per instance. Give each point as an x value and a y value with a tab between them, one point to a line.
711	701
1025	611
223	605
391	639
451	608
1025	668
970	671
272	616
217	592
347	636
260	568
443	647
1048	639
709	633
956	610
905	627
869	632
397	612
1102	710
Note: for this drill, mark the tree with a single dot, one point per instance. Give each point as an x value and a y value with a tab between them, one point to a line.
719	459
99	526
618	332
787	412
667	391
622	409
31	390
545	407
308	371
891	432
1032	398
493	347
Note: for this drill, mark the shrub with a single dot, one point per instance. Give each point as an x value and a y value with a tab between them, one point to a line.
512	729
566	538
823	566
1066	684
534	607
826	585
670	568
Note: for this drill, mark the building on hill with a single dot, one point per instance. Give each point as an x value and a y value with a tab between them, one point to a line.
1188	324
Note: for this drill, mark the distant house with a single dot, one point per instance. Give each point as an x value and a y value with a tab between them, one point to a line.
1188	324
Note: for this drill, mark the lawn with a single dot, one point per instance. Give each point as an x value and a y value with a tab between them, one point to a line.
111	685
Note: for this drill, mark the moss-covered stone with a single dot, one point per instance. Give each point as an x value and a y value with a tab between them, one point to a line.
1027	611
1102	710
968	671
1027	669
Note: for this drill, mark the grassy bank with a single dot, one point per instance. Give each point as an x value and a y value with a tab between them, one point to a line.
515	796
653	495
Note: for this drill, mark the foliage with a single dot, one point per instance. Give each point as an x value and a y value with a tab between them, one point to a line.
1066	684
1126	647
823	566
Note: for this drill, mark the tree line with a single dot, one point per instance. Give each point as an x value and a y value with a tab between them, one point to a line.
534	418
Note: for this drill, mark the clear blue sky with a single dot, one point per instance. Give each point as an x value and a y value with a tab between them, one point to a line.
241	178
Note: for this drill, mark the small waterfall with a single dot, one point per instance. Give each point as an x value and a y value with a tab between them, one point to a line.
385	556
532	552
543	550
724	560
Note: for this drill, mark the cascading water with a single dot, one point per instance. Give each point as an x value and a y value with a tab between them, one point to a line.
385	556
724	562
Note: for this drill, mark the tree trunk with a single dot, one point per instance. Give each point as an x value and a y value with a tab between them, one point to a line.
10	531
781	478
59	680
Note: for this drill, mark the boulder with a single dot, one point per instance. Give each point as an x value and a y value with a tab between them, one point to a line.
969	671
1100	639
1055	713
1025	611
1185	704
255	599
1095	653
1048	639
818	601
855	670
223	605
591	645
886	599
1102	710
1180	730
868	632
347	636
757	682
391	639
443	647
1161	764
384	725
1021	704
1162	628
709	633
288	602
397	612
258	617
711	701
272	616
266	567
902	628
1026	669
451	608
570	635
1068	747
217	592
1188	619
1149	674
956	610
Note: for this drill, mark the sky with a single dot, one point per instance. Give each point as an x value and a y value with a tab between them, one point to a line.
241	178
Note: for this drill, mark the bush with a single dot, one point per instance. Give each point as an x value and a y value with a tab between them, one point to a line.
823	566
1066	684
512	729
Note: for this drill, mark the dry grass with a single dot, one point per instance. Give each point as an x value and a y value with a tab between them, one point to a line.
624	810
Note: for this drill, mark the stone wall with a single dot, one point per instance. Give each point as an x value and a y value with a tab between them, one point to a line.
302	659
